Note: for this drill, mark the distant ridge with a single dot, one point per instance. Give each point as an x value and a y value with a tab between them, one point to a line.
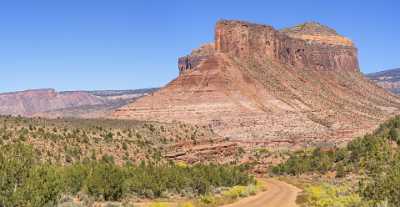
50	103
387	79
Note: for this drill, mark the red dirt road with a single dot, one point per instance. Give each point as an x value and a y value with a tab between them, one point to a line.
278	194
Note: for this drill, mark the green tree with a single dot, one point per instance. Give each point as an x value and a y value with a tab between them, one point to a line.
74	177
106	181
16	161
42	188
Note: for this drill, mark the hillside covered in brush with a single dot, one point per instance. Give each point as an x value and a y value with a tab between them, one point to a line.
66	141
371	164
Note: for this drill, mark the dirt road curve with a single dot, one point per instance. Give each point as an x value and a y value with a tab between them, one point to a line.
278	194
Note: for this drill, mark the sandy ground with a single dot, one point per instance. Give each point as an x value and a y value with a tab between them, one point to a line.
278	194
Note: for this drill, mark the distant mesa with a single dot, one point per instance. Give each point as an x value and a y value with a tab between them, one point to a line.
387	79
52	104
256	84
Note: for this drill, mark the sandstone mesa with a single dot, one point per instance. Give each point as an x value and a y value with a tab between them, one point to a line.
259	85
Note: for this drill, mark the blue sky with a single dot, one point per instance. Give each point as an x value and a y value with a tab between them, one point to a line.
126	44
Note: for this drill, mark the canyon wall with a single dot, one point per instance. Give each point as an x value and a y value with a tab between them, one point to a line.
247	40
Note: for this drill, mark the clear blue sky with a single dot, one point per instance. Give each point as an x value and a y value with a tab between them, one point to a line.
117	44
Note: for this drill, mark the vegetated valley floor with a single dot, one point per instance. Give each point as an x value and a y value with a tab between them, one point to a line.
69	140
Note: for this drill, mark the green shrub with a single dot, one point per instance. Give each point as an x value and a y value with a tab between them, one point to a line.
383	186
16	162
43	187
27	181
75	177
329	196
302	162
375	156
106	181
236	192
208	199
252	189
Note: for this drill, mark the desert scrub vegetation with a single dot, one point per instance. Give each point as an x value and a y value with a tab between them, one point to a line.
373	160
25	180
326	195
66	141
224	196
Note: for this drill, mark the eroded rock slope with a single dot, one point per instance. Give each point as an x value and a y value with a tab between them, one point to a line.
256	84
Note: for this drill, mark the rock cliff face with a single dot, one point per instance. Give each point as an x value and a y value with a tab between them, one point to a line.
195	58
304	46
259	85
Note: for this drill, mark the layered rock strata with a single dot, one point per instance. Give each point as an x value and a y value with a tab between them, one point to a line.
256	84
387	79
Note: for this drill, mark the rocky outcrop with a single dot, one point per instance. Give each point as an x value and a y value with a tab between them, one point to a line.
191	61
259	85
213	150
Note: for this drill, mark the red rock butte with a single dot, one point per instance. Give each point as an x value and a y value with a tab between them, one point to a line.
298	85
